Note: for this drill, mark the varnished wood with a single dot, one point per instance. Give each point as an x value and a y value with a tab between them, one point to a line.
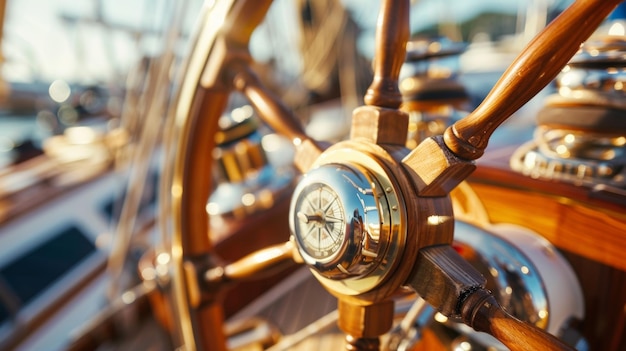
194	172
380	121
266	104
482	312
467	206
392	34
434	170
232	239
216	47
210	316
362	344
586	227
571	217
430	342
449	283
443	278
275	114
368	322
256	265
380	125
244	18
531	71
190	189
201	101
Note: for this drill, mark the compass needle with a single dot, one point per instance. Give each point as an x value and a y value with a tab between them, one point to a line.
331	219
319	238
303	217
340	204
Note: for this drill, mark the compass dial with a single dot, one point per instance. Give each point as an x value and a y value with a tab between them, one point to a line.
338	221
320	221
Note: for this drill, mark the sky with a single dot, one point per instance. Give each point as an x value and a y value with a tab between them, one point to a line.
39	44
426	13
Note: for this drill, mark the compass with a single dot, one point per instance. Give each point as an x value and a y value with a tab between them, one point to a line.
320	220
340	220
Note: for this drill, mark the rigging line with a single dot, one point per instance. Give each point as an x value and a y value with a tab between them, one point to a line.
320	55
142	157
324	323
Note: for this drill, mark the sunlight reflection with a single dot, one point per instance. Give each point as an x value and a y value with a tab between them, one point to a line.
59	91
617	29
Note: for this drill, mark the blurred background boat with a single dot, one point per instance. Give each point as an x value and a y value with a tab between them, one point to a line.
75	94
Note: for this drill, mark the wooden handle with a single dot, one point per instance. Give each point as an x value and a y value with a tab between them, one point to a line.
481	311
256	265
442	277
244	18
454	287
531	71
275	114
266	104
392	33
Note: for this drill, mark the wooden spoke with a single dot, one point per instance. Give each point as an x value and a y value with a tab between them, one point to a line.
275	114
256	265
380	121
445	280
482	312
438	164
533	69
392	34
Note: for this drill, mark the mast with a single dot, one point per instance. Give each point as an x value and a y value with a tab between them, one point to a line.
3	5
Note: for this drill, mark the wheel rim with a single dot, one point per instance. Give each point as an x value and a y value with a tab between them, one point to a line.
194	122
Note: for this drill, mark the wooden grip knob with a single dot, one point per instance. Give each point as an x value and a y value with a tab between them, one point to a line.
481	311
257	265
392	34
531	71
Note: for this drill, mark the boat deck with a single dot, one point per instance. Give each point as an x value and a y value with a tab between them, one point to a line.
302	311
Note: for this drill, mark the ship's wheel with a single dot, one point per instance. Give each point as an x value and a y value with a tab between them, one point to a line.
369	216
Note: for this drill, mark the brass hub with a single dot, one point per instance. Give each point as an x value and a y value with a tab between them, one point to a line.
349	219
